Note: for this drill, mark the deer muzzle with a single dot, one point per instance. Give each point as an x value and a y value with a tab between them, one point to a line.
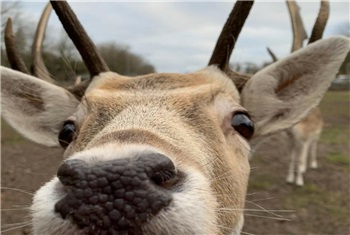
116	196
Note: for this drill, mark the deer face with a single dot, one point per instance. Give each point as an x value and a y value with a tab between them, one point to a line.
160	153
167	119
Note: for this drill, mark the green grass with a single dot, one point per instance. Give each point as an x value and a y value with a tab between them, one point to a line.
339	158
9	135
336	113
322	201
310	188
264	182
335	104
335	135
336	96
302	196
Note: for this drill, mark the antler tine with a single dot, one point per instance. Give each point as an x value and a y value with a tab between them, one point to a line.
299	33
321	22
13	55
92	59
229	34
39	69
274	57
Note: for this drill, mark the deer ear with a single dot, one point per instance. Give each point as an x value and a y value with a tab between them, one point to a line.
35	108
283	93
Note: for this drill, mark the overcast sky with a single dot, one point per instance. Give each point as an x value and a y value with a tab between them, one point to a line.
180	36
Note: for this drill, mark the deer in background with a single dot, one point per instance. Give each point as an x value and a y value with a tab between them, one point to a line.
306	133
160	153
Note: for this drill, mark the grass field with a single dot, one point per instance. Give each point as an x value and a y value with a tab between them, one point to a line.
322	206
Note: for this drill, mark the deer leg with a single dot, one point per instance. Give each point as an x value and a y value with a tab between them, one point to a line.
304	154
302	163
292	163
313	153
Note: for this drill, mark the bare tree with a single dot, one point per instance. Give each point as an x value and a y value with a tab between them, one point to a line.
121	60
23	31
7	9
61	56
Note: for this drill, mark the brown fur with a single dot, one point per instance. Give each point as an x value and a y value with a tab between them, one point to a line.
188	98
304	137
312	123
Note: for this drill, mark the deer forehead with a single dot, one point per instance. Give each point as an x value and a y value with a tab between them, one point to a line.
161	110
194	84
160	94
110	93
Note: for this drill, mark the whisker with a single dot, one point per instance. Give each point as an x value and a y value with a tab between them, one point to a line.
227	174
25	224
15	209
207	163
66	61
263	208
222	176
21	206
255	210
255	168
224	194
18	190
15	224
268	217
221	226
242	232
263	199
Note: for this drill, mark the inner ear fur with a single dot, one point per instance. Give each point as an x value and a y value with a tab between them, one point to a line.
281	94
35	108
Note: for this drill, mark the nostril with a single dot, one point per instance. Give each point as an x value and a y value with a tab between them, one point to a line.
162	177
70	172
163	169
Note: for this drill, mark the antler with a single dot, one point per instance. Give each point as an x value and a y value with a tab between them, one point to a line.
299	33
92	59
274	57
39	69
321	21
229	34
13	55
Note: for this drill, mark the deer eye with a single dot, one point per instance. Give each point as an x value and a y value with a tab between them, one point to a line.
243	125
67	134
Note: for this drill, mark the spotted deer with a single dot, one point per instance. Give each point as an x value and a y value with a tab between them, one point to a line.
306	133
162	153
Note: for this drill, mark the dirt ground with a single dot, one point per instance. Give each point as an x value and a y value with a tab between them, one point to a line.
322	206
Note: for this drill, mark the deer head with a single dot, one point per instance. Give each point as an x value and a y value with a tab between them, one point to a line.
160	153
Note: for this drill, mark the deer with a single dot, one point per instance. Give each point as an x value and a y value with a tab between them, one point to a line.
162	153
305	134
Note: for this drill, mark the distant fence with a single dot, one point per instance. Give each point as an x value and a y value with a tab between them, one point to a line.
341	83
339	87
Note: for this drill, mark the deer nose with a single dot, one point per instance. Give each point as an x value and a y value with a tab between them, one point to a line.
116	195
